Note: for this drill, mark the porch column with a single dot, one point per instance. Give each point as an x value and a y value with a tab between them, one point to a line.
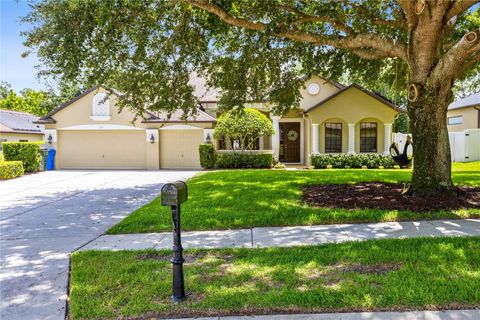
276	137
351	138
387	139
315	149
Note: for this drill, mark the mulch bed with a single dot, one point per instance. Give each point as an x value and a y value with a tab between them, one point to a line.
388	196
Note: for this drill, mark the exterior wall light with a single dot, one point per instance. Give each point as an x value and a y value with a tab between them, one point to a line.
50	138
152	138
208	139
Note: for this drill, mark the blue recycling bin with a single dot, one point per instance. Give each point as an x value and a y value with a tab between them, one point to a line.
51	159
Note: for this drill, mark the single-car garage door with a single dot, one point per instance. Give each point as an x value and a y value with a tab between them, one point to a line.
179	148
101	149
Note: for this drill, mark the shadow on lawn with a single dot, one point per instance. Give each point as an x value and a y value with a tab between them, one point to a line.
408	274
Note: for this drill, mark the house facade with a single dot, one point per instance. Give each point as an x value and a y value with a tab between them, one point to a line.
89	132
18	126
464	114
331	118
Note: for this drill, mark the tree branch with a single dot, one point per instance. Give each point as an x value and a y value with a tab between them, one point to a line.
470	62
305	18
408	8
460	7
387	47
452	63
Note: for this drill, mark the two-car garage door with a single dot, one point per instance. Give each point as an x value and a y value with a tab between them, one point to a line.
127	149
102	149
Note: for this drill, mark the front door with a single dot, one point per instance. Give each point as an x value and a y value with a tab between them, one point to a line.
290	141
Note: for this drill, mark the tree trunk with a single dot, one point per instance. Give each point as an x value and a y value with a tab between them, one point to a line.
432	162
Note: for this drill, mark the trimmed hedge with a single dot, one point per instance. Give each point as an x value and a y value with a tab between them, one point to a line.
207	156
10	169
27	152
342	161
245	160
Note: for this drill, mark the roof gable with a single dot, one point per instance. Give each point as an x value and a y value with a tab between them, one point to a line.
376	96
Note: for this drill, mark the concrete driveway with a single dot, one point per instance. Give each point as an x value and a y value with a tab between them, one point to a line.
45	216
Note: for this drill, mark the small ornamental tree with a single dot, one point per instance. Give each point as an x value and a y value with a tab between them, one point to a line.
245	125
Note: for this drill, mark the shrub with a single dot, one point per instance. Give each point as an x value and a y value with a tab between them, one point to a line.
370	161
207	156
245	160
10	169
279	165
27	152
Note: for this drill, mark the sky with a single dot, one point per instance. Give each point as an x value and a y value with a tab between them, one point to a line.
18	71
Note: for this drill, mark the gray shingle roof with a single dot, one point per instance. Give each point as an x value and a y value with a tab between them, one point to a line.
471	100
21	122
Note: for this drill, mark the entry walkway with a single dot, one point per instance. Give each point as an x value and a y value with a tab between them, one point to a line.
289	236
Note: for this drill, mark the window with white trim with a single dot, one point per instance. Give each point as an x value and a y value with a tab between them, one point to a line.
101	105
455	120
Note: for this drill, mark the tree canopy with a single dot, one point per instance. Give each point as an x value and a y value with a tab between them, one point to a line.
250	49
37	102
245	125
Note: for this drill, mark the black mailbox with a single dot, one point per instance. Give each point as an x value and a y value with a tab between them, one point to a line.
174	193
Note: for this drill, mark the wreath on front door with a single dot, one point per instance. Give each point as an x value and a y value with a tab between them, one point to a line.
292	135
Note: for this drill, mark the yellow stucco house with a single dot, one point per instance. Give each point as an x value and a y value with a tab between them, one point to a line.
88	132
16	126
464	114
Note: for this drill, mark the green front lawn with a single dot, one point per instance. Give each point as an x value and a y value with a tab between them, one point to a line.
428	273
254	198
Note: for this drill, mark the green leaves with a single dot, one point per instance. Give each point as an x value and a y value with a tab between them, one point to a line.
36	102
148	49
244	125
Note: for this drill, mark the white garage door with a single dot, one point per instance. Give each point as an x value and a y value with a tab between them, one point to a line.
101	149
179	148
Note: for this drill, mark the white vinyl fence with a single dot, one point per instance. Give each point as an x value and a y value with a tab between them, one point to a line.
465	145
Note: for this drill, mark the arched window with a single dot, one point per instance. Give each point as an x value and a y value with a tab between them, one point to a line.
101	107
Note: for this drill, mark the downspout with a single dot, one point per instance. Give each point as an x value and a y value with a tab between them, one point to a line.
307	141
478	115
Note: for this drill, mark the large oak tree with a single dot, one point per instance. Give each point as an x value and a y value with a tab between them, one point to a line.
254	49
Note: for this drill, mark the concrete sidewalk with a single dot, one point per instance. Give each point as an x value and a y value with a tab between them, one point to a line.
289	236
409	315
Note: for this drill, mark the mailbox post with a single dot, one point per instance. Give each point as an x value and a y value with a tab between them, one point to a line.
174	194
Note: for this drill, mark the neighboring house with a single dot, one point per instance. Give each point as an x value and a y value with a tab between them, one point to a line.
464	114
19	126
88	132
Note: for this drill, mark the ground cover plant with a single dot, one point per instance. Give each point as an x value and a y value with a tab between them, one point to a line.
421	273
253	198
